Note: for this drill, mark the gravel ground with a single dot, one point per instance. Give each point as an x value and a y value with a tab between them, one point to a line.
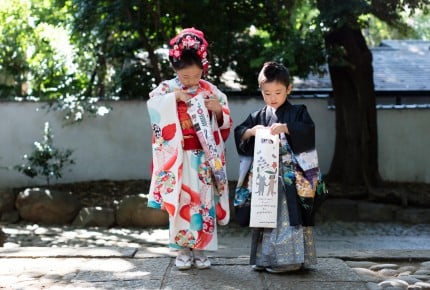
372	229
27	235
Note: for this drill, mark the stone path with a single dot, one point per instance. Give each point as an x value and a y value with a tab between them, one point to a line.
351	256
159	273
399	275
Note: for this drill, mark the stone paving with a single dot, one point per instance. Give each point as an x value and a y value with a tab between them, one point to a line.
351	256
400	275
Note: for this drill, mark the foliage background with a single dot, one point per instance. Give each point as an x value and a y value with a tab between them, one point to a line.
63	49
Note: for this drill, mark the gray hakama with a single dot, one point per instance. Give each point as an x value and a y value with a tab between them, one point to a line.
284	246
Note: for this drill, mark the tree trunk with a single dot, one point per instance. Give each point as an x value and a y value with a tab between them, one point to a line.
2	237
355	160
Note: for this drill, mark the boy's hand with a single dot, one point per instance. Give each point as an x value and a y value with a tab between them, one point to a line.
251	132
278	128
254	129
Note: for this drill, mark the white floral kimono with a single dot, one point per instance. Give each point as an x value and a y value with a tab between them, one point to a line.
191	185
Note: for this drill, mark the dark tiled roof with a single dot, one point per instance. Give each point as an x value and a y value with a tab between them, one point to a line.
398	65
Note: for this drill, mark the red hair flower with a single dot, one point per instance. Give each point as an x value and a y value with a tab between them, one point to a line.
190	38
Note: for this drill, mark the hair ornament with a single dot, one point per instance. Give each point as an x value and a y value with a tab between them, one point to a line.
190	38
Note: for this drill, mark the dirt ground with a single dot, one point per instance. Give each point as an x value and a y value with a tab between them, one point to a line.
104	193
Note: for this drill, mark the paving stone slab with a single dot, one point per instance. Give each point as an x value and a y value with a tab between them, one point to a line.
153	268
333	273
38	252
295	285
327	269
114	285
327	274
122	270
217	277
22	273
31	267
219	261
154	252
232	252
117	285
382	254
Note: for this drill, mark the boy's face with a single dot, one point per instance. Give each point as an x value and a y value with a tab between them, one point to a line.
275	93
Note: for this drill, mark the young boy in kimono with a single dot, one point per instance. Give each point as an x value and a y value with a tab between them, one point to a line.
190	120
289	246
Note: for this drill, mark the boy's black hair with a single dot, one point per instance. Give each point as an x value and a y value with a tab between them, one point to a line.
188	58
274	72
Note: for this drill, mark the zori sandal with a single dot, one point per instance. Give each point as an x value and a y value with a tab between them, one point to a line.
200	260
183	260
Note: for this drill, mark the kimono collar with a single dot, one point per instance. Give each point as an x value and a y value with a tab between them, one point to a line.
272	115
202	86
283	108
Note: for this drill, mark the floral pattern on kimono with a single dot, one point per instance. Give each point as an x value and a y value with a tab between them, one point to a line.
194	205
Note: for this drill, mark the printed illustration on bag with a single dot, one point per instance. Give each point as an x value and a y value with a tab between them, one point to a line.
264	199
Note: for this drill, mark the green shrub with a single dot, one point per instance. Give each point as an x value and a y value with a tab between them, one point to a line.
45	160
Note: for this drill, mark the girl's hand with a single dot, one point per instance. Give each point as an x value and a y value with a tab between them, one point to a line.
278	128
181	96
213	105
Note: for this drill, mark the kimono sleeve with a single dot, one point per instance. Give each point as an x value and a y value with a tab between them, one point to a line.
301	131
245	147
227	122
162	89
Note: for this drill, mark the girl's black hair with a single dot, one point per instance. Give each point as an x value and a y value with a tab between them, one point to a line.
188	58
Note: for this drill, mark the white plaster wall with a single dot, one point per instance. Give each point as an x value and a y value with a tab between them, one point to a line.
404	145
117	146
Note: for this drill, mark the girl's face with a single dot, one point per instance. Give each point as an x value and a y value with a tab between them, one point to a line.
190	76
275	93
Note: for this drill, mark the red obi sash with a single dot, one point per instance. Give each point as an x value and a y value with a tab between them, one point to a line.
191	142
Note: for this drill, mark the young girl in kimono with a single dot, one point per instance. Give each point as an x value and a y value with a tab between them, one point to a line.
289	246
190	120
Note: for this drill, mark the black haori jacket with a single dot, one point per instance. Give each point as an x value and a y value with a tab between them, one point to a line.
301	138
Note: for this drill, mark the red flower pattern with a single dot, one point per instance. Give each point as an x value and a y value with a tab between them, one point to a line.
168	132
